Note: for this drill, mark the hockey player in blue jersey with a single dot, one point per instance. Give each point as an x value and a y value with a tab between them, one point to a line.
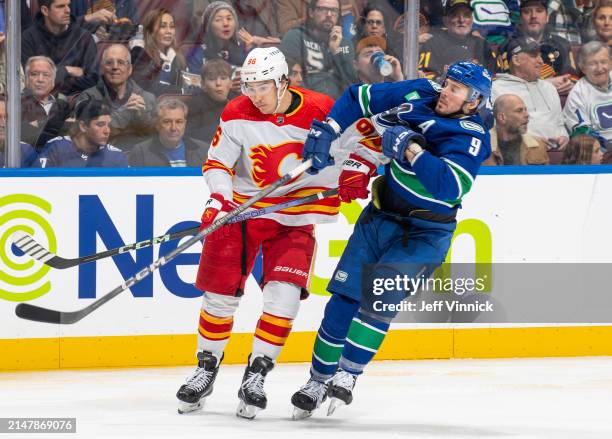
88	146
433	143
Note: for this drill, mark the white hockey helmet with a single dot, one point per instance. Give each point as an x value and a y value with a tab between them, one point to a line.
264	63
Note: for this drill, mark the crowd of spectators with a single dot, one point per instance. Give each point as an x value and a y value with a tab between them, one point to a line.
118	82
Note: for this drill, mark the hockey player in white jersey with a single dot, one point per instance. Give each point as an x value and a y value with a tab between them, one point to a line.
260	137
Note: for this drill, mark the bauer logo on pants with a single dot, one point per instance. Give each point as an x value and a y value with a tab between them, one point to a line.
22	278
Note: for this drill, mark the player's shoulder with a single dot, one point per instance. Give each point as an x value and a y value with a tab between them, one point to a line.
472	126
240	108
59	142
313	100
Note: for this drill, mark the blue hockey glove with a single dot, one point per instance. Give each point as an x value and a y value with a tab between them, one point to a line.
317	145
396	139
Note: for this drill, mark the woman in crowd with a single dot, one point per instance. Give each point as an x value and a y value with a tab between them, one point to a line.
157	67
373	22
582	150
220	38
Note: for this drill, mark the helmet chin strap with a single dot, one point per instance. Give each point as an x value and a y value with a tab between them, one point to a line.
279	97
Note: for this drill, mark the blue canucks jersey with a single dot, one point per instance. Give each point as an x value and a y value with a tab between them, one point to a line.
456	146
61	152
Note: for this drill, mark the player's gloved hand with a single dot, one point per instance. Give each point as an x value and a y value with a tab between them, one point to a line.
216	207
355	178
317	145
397	139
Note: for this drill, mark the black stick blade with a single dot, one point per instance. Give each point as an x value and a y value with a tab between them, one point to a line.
44	315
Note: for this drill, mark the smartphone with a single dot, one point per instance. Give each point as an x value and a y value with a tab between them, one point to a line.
552	143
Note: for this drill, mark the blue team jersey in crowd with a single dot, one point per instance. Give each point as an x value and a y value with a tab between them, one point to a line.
61	152
456	146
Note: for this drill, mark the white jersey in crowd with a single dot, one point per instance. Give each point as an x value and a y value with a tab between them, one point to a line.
588	105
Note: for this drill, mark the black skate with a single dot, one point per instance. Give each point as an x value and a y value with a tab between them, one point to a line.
199	385
340	390
309	398
251	393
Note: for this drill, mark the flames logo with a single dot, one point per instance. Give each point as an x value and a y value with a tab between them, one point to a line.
271	162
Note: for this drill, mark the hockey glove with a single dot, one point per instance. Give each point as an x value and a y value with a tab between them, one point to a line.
355	178
216	207
317	145
397	139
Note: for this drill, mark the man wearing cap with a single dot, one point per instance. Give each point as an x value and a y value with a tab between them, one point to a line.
87	147
366	71
455	44
540	96
322	48
558	62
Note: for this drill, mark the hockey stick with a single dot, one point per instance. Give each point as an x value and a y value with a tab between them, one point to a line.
46	315
35	250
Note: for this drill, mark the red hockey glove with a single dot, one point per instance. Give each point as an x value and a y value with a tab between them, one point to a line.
355	178
216	207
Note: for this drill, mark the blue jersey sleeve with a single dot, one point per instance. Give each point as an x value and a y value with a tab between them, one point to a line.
450	175
364	100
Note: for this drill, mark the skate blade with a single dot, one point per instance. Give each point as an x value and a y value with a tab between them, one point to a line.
247	411
299	414
187	407
334	403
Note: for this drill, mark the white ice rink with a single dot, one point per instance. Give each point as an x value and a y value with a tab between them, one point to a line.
513	398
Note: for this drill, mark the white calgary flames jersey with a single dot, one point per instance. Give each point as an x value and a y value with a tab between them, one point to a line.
257	149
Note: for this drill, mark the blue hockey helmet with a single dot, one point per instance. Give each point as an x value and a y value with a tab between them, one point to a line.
476	77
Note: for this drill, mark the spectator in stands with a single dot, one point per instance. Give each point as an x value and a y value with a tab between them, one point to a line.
510	143
589	105
131	106
601	20
157	67
373	22
323	50
558	63
170	146
540	97
583	150
565	19
3	67
258	18
43	111
455	44
105	18
296	72
220	29
28	155
290	14
88	146
365	70
495	20
56	34
206	106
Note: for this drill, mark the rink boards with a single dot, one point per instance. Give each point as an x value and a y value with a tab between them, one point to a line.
537	214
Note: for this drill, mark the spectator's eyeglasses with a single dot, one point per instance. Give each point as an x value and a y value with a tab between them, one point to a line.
260	89
371	22
119	62
323	10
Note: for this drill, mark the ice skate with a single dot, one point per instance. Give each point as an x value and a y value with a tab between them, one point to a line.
199	385
309	398
340	390
251	393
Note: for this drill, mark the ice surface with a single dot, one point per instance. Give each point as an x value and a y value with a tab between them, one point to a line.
510	398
